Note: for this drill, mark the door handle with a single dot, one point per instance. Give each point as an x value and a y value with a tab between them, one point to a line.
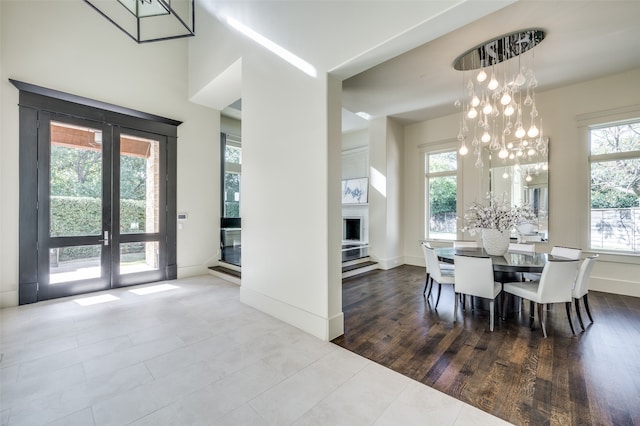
105	241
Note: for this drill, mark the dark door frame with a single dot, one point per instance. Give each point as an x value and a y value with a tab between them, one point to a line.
35	100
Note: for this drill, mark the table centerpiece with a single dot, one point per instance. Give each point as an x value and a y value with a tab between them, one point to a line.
495	222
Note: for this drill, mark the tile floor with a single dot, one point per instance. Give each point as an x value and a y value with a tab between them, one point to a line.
195	355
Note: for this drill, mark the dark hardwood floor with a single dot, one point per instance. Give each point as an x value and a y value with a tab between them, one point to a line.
592	378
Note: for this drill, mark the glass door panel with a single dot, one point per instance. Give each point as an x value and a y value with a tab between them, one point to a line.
72	209
140	195
75	182
138	257
139	185
74	263
100	214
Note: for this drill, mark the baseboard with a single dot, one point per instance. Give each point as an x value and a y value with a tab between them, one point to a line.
627	288
336	326
227	277
8	299
322	328
192	271
390	263
358	271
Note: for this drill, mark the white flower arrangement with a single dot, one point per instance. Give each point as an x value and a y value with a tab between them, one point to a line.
498	215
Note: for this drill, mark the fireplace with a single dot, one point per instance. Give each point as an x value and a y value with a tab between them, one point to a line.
352	229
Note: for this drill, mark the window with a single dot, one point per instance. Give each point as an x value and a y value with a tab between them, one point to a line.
615	187
231	184
232	173
441	194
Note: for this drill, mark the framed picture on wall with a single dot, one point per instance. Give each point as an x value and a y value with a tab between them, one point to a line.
355	191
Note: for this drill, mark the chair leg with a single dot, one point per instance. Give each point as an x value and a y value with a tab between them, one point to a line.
430	287
568	306
426	284
577	303
541	312
586	306
455	307
532	313
439	293
504	306
491	313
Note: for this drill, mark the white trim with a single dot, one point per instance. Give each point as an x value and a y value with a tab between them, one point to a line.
441	145
585	132
609	117
438	147
322	328
627	288
386	264
229	278
192	271
355	150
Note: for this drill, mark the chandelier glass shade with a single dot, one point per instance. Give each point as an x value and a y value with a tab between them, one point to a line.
498	106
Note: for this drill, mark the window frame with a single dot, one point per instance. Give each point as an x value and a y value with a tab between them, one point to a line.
601	158
36	102
234	141
426	151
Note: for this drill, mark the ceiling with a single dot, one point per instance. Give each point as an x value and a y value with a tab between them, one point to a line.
585	40
395	57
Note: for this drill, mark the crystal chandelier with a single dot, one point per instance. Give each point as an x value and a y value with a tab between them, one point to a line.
500	112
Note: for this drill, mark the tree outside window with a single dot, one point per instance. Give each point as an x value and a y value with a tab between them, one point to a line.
615	187
441	194
232	179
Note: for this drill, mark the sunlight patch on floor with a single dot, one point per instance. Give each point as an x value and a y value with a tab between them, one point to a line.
153	289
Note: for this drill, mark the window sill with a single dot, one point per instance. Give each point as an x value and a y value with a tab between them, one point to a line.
615	257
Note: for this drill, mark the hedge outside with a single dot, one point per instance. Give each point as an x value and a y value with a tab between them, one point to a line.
74	216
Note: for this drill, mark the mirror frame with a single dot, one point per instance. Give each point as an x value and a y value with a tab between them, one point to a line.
496	163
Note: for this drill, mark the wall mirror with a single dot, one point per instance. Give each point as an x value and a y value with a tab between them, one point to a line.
524	179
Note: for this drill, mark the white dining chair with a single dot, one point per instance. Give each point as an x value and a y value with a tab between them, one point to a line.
566	252
558	251
466	244
555	286
581	287
435	273
474	277
523	248
443	267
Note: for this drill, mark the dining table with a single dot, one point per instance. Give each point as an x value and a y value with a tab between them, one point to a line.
508	267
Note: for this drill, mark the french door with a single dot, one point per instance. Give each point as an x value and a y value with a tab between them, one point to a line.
101	201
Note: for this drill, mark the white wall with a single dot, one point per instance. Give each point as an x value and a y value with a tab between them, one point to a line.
285	211
67	46
358	139
386	192
291	228
230	125
568	175
355	164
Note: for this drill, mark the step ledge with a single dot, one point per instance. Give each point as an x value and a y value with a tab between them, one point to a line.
358	271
